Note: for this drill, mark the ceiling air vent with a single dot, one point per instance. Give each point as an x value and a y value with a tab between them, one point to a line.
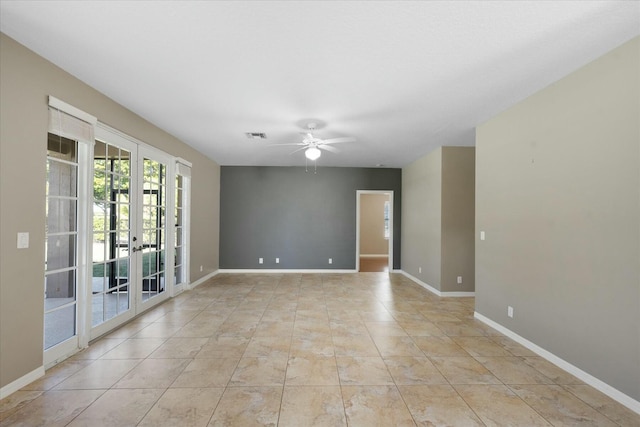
256	135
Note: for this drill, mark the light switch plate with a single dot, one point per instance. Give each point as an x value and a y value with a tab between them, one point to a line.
23	240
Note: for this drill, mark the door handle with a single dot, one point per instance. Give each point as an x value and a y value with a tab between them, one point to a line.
139	248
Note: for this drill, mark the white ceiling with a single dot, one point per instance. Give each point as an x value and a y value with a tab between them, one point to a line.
401	77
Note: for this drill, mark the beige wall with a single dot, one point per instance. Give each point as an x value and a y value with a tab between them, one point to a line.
458	219
422	218
558	195
438	219
25	82
372	241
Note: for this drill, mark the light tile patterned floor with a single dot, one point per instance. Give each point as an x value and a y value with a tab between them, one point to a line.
367	349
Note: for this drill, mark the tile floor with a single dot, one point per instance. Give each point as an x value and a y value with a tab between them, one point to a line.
367	349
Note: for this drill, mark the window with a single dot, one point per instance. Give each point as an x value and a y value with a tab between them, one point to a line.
387	232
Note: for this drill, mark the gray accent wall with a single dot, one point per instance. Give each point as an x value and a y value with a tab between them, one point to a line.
438	219
302	218
558	196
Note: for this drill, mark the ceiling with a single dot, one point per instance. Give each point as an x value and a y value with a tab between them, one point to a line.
402	77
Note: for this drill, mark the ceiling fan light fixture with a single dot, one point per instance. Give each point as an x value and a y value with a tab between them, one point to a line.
312	153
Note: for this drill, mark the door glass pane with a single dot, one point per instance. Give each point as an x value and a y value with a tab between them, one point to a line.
59	325
61	242
179	276
60	252
61	215
153	231
112	229
60	289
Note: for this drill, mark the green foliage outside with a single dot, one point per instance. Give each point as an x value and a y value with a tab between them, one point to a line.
114	174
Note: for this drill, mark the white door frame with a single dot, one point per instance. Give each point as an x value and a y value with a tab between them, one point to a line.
111	136
82	296
390	194
151	153
138	150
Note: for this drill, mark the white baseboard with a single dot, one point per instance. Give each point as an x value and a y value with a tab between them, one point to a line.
284	271
374	255
457	294
434	290
203	279
24	380
594	382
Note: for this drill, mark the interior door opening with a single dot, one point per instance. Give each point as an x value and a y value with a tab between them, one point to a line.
374	244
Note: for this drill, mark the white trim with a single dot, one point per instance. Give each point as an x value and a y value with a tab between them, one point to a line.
71	110
434	290
24	380
457	294
184	162
421	283
85	240
594	382
183	167
128	138
270	271
203	279
374	255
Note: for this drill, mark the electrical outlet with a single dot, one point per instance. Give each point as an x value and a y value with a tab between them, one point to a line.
260	260
277	260
330	260
510	311
459	280
420	270
200	268
482	235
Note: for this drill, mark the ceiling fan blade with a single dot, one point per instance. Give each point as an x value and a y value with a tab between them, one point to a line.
338	140
279	145
299	149
328	148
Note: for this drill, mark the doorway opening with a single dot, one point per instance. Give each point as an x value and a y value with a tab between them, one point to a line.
374	231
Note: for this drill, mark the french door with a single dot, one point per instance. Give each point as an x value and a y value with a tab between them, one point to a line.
69	142
132	194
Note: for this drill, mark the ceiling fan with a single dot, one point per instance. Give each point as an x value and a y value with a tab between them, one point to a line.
312	145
